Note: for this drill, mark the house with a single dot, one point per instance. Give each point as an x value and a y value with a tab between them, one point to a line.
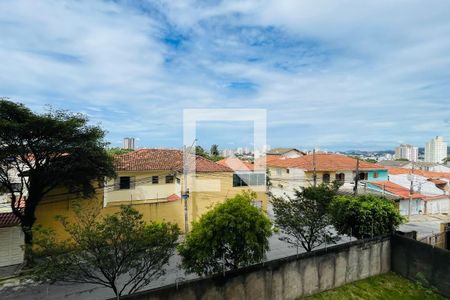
11	240
418	165
287	174
286	152
432	189
152	181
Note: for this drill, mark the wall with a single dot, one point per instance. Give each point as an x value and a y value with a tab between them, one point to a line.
410	257
59	203
287	278
382	175
144	189
11	246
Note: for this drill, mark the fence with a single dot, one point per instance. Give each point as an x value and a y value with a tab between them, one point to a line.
287	278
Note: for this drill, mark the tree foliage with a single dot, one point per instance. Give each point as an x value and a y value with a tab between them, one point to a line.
39	152
214	150
118	151
232	235
118	251
364	216
304	218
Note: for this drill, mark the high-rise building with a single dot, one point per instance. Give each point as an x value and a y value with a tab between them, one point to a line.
436	150
128	143
406	151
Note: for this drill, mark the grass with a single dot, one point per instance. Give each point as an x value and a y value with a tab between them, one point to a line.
387	286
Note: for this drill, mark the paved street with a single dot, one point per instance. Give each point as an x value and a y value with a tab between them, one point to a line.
425	225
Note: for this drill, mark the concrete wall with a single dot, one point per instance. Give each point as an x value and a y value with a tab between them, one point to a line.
411	258
287	278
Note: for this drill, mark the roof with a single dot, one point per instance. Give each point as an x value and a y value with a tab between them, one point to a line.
428	174
324	162
162	159
394	163
396	189
280	151
173	197
8	219
236	164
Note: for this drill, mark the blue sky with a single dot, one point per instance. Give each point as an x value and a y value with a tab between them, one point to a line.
331	74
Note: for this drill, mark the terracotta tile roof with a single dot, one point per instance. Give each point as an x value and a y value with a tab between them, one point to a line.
173	197
8	219
236	164
324	162
428	174
162	159
397	189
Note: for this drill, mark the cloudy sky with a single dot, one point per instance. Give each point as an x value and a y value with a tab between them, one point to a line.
331	74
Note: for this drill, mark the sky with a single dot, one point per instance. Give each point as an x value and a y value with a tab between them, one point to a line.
336	75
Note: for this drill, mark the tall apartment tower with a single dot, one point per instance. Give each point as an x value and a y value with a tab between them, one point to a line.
128	143
436	150
406	151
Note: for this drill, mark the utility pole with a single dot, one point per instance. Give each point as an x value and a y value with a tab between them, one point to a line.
185	195
355	188
314	168
411	190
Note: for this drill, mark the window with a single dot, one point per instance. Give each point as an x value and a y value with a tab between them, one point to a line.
326	178
246	179
155	179
169	179
287	171
124	182
178	180
279	172
340	177
362	176
375	175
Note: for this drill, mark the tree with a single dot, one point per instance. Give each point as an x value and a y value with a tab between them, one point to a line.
232	235
39	152
214	150
118	251
364	216
118	151
201	152
304	218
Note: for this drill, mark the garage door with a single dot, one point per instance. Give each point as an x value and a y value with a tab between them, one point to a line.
11	242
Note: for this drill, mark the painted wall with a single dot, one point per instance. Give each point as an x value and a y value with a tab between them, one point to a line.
382	175
200	200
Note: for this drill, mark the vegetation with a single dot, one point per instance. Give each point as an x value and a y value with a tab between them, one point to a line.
214	150
387	286
232	235
118	151
118	251
364	216
402	159
304	218
46	151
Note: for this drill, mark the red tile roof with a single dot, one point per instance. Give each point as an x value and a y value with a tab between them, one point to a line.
173	197
324	162
428	174
236	164
162	159
8	219
397	189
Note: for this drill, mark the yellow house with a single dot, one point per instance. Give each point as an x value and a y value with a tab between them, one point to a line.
152	181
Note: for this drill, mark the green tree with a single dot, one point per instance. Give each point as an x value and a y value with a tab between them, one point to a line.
214	150
364	216
304	218
39	152
118	251
118	151
200	151
232	235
